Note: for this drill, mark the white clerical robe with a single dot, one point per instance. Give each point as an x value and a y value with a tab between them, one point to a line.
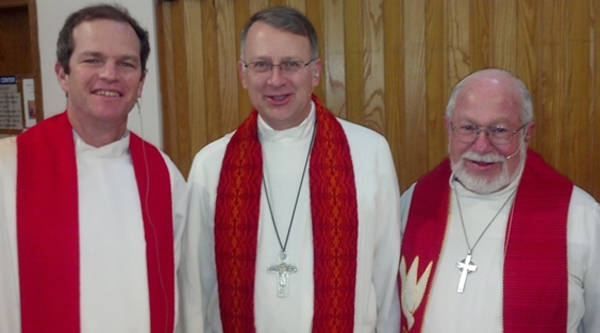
112	247
479	307
284	155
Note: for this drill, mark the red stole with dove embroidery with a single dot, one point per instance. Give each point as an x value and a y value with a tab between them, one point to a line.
535	266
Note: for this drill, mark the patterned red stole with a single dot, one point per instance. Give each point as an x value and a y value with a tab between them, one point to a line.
48	229
334	222
535	266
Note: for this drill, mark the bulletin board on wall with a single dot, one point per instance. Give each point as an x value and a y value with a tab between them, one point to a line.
20	79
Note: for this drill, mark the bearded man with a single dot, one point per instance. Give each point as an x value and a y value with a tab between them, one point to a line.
494	239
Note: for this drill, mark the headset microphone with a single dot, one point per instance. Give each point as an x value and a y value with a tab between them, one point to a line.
513	154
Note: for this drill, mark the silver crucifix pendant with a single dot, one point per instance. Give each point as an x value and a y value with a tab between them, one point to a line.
283	270
465	266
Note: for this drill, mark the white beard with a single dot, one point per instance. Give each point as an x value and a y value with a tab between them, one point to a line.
483	185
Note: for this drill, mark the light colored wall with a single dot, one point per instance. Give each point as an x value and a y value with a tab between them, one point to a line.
51	16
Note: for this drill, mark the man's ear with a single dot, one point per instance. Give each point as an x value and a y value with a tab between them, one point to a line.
243	74
62	76
529	132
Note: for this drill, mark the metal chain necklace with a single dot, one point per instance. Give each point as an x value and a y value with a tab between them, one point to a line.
465	265
283	269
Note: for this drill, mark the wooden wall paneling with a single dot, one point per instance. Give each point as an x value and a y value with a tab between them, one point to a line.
216	113
458	32
15	52
227	64
504	32
394	84
196	109
166	51
480	34
436	82
315	13
414	157
334	72
374	107
256	5
181	84
298	4
353	37
593	160
527	46
550	116
389	65
578	108
242	14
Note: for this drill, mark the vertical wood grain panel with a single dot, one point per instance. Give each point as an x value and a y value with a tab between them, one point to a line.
550	119
505	23
227	63
213	104
333	53
353	37
242	14
578	93
459	59
527	45
479	34
256	5
436	82
394	83
374	109
415	126
315	13
195	78
593	184
167	81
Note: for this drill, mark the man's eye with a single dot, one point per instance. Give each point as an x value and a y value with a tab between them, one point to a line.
127	64
261	65
498	130
290	65
91	61
469	128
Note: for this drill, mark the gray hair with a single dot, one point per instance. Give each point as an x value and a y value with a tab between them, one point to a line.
526	103
286	19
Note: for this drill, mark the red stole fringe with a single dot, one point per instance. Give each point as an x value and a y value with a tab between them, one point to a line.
48	229
535	267
334	220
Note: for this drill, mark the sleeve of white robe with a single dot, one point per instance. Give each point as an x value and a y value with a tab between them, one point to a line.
387	248
179	204
197	274
584	261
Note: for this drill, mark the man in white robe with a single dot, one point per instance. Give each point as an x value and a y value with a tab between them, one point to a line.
280	68
489	121
102	54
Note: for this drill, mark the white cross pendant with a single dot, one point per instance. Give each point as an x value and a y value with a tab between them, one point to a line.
465	266
283	270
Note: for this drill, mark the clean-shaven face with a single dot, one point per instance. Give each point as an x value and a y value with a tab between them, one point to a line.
105	76
282	99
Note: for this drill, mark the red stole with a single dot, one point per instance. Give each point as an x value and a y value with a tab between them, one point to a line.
48	228
535	266
334	221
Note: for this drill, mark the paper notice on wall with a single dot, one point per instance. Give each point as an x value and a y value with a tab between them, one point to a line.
8	83
29	102
10	110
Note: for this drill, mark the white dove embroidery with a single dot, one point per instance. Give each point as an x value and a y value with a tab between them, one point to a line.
412	289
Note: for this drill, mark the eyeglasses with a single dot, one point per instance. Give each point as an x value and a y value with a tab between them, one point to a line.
286	66
498	135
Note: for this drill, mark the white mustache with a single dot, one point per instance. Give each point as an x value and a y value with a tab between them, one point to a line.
486	158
